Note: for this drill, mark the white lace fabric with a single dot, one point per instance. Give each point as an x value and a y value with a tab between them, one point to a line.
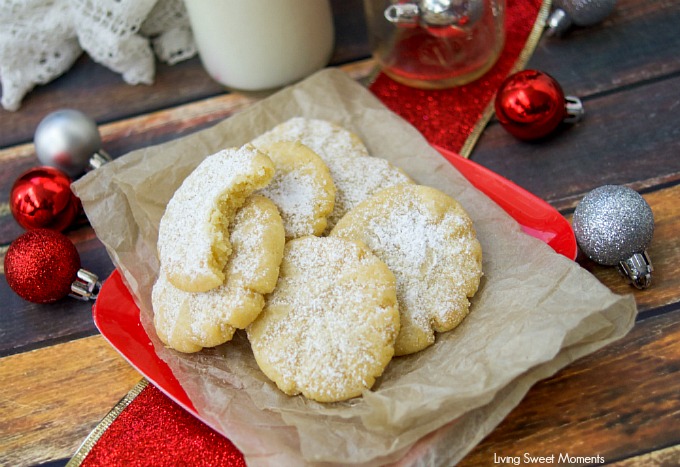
41	39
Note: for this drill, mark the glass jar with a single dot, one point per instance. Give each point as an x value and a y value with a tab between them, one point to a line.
435	44
254	45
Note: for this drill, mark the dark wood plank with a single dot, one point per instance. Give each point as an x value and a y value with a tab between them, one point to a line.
88	86
665	456
637	42
26	326
351	35
628	137
619	402
126	135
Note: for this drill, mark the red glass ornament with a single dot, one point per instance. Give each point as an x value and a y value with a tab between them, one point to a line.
41	265
42	198
530	104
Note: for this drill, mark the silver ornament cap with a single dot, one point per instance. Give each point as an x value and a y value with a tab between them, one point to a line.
577	12
86	286
436	13
613	226
69	140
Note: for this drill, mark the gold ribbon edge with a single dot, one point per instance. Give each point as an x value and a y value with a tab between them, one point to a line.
105	423
522	59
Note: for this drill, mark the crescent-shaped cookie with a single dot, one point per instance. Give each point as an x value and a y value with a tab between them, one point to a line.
356	174
189	321
192	243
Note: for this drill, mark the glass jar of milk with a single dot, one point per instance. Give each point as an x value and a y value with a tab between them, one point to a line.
256	45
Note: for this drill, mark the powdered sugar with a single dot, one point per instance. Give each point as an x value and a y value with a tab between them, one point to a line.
190	231
428	242
294	194
359	178
327	139
356	174
329	326
207	319
302	188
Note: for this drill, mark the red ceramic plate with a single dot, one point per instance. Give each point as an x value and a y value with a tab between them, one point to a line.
536	217
117	317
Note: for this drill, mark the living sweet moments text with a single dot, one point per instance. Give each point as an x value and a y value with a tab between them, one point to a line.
552	459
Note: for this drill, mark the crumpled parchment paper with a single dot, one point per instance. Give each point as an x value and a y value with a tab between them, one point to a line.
535	311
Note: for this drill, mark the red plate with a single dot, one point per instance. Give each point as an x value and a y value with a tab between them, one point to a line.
536	217
117	317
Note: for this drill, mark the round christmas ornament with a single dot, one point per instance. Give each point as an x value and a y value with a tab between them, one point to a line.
531	104
579	13
43	266
42	198
613	226
69	140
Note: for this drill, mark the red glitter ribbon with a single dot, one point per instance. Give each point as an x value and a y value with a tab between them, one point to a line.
454	118
146	427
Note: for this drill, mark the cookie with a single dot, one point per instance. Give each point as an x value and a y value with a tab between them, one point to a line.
328	140
192	243
356	174
428	241
302	188
189	321
328	329
359	178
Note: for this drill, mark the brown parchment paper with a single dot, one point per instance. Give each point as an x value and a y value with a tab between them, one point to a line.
535	311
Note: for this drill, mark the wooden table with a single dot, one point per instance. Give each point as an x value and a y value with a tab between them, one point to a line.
58	377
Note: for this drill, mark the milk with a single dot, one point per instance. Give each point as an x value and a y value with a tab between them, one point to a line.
261	44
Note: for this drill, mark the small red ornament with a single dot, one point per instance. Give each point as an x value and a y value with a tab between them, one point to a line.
42	198
530	104
43	266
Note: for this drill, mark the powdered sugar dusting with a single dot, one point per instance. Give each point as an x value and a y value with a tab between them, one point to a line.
329	326
258	239
189	233
356	175
294	194
302	188
187	320
327	139
430	247
358	179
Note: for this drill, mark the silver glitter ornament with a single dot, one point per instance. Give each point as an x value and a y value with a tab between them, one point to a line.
69	140
577	12
613	225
